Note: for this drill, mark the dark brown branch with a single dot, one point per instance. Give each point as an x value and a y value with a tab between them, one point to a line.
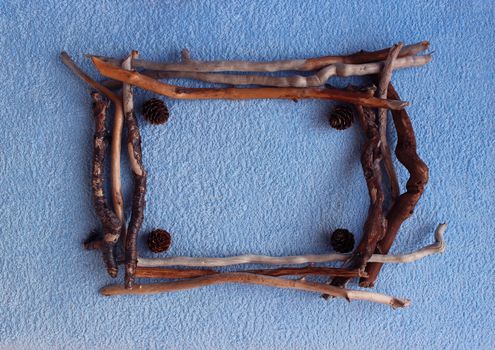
160	272
404	206
110	222
139	175
118	202
374	226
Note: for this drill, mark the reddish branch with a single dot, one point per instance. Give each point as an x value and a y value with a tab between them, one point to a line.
160	272
110	222
374	226
150	84
404	206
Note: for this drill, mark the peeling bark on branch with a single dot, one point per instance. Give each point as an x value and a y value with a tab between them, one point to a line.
110	222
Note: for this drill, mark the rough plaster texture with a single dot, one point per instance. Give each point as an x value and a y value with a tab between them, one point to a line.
227	178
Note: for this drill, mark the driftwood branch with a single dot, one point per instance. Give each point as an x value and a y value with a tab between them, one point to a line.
118	202
404	206
147	83
160	272
434	248
139	175
248	278
385	78
309	64
111	224
320	78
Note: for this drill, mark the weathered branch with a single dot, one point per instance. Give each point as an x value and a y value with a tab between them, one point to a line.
385	78
374	227
110	222
434	248
248	278
139	175
319	79
404	206
160	272
147	83
273	66
118	202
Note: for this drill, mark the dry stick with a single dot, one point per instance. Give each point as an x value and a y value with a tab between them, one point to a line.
318	79
173	91
160	272
139	174
110	234
110	222
248	278
404	206
374	228
434	248
118	202
385	78
273	66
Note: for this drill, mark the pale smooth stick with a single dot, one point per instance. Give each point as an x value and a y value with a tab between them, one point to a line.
437	247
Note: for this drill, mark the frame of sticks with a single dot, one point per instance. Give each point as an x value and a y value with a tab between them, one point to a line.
388	207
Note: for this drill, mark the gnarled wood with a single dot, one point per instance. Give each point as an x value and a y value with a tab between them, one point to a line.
404	206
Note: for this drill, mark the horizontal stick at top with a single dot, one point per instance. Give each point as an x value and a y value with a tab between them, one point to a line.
318	79
150	84
272	66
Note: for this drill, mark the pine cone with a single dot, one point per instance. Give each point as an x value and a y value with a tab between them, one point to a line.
159	241
155	111
342	240
341	117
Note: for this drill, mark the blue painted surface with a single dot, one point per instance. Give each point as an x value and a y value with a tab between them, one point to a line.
266	177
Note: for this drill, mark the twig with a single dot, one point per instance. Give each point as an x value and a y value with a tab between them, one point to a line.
173	91
273	66
385	78
434	248
160	272
405	204
318	79
248	278
110	222
139	175
118	202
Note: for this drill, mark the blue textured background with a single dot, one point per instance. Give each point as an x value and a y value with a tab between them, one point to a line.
234	177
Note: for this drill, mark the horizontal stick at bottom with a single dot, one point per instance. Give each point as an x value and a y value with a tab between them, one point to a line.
249	278
437	247
160	272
